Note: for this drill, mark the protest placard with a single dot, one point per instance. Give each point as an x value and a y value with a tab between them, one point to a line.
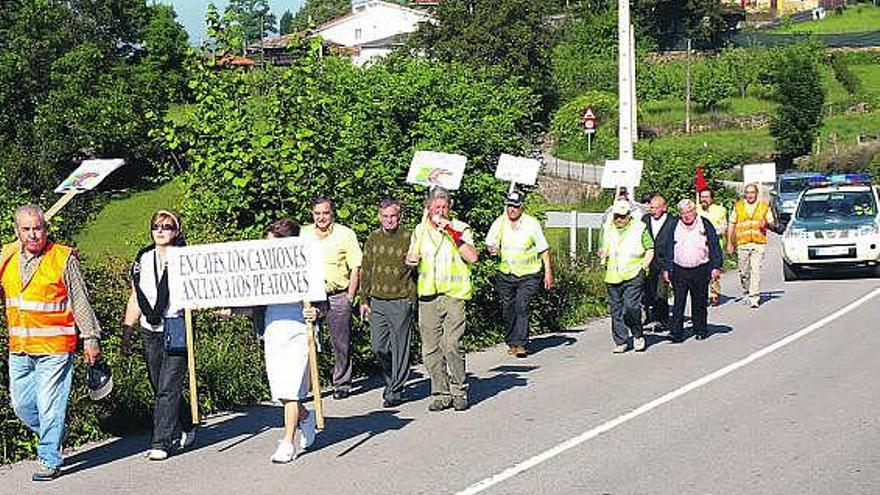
430	168
89	174
759	173
517	169
245	273
618	173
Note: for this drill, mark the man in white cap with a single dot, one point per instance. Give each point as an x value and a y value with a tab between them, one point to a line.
627	251
524	251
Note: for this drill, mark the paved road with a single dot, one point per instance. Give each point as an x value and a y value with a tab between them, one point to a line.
721	416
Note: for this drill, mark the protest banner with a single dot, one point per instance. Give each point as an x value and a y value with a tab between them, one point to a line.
517	170
430	168
89	174
244	273
622	174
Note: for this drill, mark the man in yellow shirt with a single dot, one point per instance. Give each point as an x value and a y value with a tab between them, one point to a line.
342	263
747	235
717	216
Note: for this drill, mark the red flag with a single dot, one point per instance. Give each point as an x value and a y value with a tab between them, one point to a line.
702	185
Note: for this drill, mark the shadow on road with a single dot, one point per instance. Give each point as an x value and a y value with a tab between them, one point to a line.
507	377
374	423
542	342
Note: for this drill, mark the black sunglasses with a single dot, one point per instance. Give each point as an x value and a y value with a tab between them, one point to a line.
164	227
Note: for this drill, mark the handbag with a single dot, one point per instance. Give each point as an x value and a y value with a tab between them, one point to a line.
175	335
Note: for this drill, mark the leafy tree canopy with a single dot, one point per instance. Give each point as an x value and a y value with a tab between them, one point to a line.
316	12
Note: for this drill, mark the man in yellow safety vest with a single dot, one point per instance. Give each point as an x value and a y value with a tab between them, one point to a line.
747	235
442	249
46	300
627	251
520	242
717	216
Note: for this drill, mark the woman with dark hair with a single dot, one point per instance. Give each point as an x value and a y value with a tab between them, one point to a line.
148	308
284	332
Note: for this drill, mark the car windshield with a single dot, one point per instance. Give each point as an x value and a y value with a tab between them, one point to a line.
793	184
837	204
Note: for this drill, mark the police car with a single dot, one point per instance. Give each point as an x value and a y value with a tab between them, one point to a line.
786	193
835	224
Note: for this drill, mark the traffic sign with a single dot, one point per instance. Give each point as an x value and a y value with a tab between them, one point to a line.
589	120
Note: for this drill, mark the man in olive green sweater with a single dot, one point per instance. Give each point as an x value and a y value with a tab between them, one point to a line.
387	297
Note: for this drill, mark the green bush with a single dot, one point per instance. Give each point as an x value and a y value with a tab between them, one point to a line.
672	172
844	75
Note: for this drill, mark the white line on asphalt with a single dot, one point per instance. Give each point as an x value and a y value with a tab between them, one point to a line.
592	433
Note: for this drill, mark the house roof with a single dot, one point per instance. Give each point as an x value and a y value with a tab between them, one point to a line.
393	40
351	15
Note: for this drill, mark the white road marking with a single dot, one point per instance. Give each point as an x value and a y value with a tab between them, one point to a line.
594	432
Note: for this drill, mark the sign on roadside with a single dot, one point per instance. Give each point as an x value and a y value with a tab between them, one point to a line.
245	273
518	169
431	168
590	120
622	174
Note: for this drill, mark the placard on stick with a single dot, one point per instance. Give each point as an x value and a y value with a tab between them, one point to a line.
622	174
759	173
518	169
89	174
431	168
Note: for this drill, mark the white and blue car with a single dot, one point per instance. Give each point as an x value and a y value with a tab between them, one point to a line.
835	225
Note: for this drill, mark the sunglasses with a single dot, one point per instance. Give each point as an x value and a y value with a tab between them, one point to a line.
167	227
619	217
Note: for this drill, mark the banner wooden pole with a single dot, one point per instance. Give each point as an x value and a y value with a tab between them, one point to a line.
63	200
191	362
313	372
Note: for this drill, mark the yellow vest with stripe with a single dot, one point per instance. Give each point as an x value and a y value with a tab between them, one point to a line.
624	250
748	228
38	315
520	259
441	268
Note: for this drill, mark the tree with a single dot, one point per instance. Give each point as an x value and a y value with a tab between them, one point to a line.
316	12
285	26
254	18
800	98
511	34
707	22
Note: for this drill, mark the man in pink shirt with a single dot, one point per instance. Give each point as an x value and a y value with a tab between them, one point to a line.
693	258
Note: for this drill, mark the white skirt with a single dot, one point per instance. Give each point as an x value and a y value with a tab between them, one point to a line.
287	352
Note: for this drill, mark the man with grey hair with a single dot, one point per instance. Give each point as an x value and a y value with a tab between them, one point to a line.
443	250
747	229
46	301
693	258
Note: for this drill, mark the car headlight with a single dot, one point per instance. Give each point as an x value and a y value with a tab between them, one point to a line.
796	233
867	230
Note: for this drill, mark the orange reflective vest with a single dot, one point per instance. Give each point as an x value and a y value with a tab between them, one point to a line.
748	228
38	315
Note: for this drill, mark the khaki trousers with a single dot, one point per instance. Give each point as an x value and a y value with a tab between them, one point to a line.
441	325
749	259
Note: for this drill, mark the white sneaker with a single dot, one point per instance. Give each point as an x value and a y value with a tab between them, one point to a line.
187	438
620	349
639	344
157	455
285	453
307	430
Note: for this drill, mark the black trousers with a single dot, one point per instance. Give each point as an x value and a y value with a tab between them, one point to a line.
516	293
170	410
693	282
656	303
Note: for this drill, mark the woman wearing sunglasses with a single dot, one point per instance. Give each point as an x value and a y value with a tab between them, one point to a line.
148	309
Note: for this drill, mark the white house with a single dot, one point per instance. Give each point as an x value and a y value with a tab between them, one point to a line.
373	28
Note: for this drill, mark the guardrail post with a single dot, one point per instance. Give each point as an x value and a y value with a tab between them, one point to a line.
589	240
572	235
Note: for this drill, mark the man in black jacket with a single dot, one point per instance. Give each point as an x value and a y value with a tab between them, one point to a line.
693	258
656	290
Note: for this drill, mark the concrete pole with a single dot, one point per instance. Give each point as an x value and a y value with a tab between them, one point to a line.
632	78
687	96
625	83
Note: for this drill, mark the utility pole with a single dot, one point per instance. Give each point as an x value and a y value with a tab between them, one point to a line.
687	96
624	82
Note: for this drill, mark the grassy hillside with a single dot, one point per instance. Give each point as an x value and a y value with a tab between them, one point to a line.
855	19
122	227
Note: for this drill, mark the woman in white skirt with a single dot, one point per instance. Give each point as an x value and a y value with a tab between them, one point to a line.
287	359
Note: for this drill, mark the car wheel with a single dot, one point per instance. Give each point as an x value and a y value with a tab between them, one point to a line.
789	273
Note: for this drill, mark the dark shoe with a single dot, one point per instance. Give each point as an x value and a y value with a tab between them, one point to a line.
45	473
460	403
676	339
440	403
340	394
700	336
392	401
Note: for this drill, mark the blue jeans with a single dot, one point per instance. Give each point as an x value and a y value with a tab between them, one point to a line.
40	387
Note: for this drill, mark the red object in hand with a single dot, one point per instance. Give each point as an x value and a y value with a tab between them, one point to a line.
702	185
456	235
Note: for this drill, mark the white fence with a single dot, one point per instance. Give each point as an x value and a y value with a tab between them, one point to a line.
573	220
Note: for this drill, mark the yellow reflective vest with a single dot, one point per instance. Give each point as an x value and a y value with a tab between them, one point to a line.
441	268
624	251
748	227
